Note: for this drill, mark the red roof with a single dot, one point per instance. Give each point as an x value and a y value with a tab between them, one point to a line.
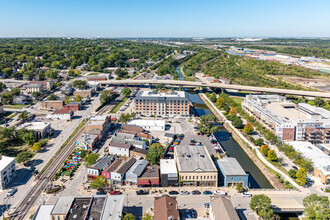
62	111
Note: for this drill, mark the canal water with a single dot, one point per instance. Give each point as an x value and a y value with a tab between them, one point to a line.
256	178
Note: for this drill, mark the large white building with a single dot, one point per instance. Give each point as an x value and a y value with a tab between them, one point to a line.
7	170
151	125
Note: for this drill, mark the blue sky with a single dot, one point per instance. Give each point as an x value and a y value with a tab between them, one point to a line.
165	18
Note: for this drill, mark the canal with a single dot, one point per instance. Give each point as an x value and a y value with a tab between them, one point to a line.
256	177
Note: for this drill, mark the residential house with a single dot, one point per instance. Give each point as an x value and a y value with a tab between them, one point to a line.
119	149
166	208
118	175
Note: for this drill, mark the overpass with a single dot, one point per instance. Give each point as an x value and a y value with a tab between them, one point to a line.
217	85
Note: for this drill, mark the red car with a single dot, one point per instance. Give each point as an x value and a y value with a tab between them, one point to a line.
171	149
115	193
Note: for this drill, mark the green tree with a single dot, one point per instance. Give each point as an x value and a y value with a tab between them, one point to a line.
237	122
129	216
264	150
262	205
147	216
213	97
80	84
233	111
36	147
52	96
316	207
126	92
155	153
124	118
106	96
292	173
239	187
23	116
78	98
23	157
99	182
301	176
248	128
259	142
36	95
91	159
2	86
272	155
29	138
159	86
220	102
319	101
8	71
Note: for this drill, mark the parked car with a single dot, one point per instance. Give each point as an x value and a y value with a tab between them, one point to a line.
115	193
246	194
11	192
184	193
173	192
192	144
32	168
219	192
101	192
207	193
193	141
195	192
188	214
193	213
295	168
142	192
171	149
207	205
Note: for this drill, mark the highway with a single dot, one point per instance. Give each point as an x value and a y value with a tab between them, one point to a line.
218	85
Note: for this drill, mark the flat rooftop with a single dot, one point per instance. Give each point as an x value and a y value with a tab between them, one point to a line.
87	138
168	166
43	212
194	159
62	205
230	166
96	208
98	117
79	208
151	93
5	161
113	208
150	172
143	123
126	141
95	122
287	110
34	125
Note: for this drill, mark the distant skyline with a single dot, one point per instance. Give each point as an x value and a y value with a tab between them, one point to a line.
170	18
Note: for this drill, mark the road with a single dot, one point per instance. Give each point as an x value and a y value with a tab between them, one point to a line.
218	85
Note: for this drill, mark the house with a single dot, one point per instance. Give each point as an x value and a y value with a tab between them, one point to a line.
118	175
135	143
138	152
135	172
96	207
222	208
168	173
107	172
52	104
29	89
7	170
150	177
83	93
22	100
74	106
41	129
63	114
86	141
100	165
48	85
119	149
166	208
231	172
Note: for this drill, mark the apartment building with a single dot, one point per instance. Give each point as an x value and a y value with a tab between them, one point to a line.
289	121
52	105
195	166
151	103
7	170
31	88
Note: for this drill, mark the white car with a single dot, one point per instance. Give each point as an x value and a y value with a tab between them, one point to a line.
219	192
246	194
11	192
184	193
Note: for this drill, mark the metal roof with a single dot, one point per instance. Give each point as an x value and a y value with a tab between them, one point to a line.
138	167
230	167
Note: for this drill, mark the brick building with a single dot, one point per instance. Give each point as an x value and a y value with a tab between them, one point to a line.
52	105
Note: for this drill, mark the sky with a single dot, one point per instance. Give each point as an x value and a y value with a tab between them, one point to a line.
164	18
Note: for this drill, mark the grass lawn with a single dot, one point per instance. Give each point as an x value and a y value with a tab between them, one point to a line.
118	105
93	74
11	116
238	100
16	106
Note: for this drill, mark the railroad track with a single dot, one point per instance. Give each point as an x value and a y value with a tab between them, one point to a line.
44	179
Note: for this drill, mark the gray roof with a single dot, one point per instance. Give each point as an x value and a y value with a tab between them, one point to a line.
126	141
122	169
194	159
104	162
230	167
222	208
113	207
43	212
138	167
152	95
119	145
62	205
125	136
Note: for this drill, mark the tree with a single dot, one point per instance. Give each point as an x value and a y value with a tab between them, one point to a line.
248	128
52	97
262	205
121	73
91	158
316	207
319	101
124	118
2	86
226	109
23	116
292	173
259	142
233	111
264	150
213	97
126	92
301	176
24	156
99	182
80	84
220	102
272	155
36	147
237	122
29	138
239	187
78	98
147	216
156	151
106	96
36	95
8	71
159	86
129	216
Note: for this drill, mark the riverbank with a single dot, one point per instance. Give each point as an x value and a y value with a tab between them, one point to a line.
271	177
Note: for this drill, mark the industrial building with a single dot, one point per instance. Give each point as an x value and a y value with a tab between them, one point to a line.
151	103
168	173
231	172
289	121
195	166
7	170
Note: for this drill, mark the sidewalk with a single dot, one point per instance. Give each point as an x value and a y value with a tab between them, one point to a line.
259	154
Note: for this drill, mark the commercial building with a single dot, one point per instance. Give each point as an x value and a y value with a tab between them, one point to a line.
96	169
195	166
151	103
135	143
48	85
52	105
83	93
41	129
289	121
43	212
118	175
74	106
29	89
86	142
151	125
95	207
96	127
133	128
168	173
119	149
113	166
7	170
135	172
231	172
222	208
166	208
138	152
150	177
61	115
321	160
